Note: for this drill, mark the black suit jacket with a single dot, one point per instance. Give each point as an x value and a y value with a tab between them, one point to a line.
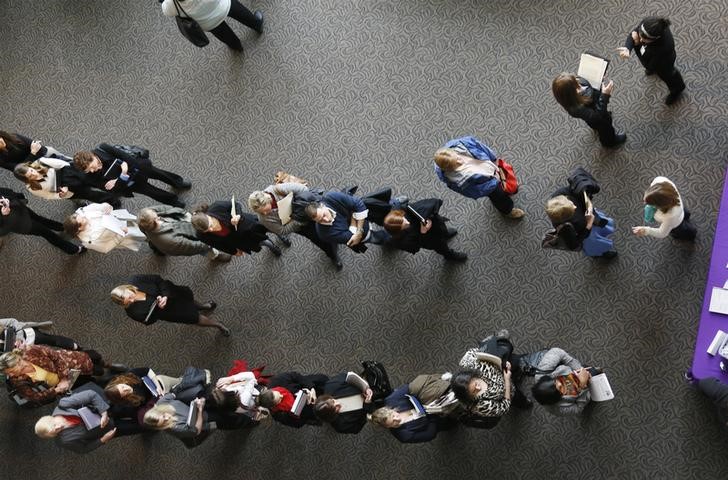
347	422
293	382
411	240
248	237
138	168
659	55
19	220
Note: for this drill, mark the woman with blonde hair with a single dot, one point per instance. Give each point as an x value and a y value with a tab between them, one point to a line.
170	415
581	100
664	205
148	298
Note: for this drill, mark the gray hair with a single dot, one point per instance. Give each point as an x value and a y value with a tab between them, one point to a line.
258	199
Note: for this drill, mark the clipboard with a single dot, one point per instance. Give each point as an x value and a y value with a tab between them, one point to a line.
285	208
592	68
233	211
419	217
151	310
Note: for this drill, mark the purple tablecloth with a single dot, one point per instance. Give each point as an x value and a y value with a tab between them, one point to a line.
705	365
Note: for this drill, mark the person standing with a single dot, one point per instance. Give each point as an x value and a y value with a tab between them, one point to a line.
101	228
211	15
664	205
125	172
16	217
16	149
654	46
468	167
581	100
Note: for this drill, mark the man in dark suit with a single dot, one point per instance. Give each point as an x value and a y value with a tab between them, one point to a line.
712	388
111	168
69	430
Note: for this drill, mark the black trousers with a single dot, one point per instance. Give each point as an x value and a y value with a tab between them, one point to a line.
98	196
672	79
686	230
309	231
146	188
43	227
225	34
501	200
59	341
170	178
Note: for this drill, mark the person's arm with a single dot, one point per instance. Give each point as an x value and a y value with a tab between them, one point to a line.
665	227
284	189
555	357
85	398
470	360
24	386
478	149
169	9
187	246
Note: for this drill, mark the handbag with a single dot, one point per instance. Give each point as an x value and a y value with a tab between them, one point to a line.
509	182
189	28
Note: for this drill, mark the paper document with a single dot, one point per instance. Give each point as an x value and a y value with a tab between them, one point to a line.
719	301
351	403
233	211
600	389
592	68
285	208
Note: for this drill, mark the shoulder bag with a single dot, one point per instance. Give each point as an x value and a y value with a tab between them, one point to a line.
189	27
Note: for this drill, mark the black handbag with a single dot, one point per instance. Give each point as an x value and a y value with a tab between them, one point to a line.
190	28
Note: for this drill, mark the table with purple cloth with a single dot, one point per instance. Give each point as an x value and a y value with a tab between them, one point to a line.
705	365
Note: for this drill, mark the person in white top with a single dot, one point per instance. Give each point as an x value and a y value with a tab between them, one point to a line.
101	228
664	204
211	14
243	387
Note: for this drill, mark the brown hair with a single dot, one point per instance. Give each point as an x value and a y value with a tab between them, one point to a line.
83	159
663	196
267	399
112	393
394	222
21	170
325	408
199	219
446	159
564	88
147	220
71	225
11	141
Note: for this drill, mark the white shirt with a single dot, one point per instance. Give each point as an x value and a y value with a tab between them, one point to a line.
669	220
208	13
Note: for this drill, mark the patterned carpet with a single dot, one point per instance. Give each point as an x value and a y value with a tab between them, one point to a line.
363	92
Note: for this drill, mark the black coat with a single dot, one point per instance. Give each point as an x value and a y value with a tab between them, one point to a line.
180	306
411	240
293	382
19	219
659	55
248	237
138	168
595	114
13	155
347	422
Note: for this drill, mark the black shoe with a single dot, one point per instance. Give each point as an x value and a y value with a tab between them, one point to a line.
81	250
350	190
609	255
337	263
453	256
183	185
276	251
209	306
285	240
451	232
673	97
619	139
178	204
259	16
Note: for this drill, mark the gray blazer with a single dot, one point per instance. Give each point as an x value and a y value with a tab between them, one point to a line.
558	362
176	236
181	410
77	438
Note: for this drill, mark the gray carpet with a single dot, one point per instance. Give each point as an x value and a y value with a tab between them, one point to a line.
363	92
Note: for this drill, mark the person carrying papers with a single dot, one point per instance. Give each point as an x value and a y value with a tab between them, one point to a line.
101	228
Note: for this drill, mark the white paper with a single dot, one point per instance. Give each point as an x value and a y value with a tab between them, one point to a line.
285	208
719	301
600	389
592	69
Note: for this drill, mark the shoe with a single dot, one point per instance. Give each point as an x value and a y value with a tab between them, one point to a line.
649	73
689	379
184	185
609	255
454	256
209	306
337	263
285	240
276	251
81	250
451	232
516	213
224	330
178	204
259	16
619	139
673	97
117	367
350	190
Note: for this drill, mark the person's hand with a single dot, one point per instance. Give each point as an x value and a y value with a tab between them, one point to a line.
239	253
4	206
108	436
62	386
107	208
235	220
507	372
589	216
125	229
161	302
639	231
311	395
426	227
355	239
635	38
607	88
35	147
221	382
623	52
104	419
63	192
200	403
583	375
368	395
110	184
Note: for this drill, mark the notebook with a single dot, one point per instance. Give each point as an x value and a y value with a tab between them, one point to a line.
300	402
90	418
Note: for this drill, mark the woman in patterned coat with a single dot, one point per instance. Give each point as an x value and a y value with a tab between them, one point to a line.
34	366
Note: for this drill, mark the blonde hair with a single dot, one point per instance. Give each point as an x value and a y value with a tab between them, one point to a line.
153	417
117	294
10	359
44	427
560	209
446	159
147	220
258	199
381	415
